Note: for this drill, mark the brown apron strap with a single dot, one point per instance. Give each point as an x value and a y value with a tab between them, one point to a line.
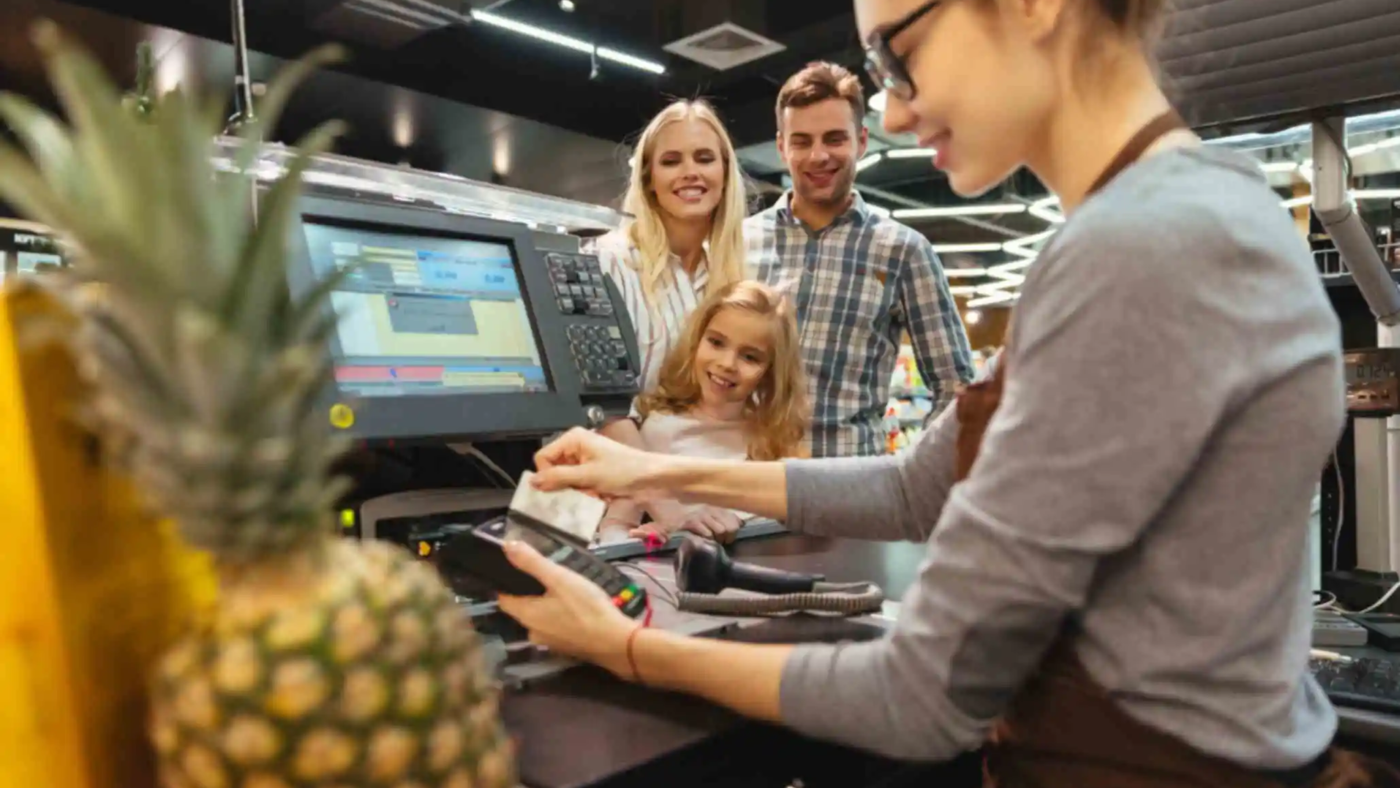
1147	136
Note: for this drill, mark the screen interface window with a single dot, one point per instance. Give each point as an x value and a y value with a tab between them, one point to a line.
424	315
24	253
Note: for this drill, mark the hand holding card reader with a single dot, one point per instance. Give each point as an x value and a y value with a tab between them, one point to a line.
560	525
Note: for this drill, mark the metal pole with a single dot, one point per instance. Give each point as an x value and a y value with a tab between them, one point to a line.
1377	445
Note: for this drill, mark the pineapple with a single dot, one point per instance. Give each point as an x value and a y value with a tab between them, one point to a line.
324	662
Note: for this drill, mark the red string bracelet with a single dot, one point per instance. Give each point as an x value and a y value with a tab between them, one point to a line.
631	658
632	638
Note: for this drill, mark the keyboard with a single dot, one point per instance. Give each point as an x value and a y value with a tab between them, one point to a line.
635	548
1368	683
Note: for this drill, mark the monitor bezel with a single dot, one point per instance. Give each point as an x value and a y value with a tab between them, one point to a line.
444	417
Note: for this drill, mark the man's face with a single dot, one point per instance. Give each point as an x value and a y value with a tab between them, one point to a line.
822	144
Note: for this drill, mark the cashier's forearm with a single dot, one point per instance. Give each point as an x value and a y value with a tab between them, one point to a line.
759	488
739	676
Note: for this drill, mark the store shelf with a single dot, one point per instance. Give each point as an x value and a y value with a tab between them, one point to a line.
448	192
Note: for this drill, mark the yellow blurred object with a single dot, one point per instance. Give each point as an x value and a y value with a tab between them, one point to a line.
92	591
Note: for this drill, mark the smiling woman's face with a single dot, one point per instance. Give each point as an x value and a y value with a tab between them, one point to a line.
984	84
687	169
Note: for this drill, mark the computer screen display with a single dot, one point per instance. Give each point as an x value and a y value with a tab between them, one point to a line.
424	315
25	251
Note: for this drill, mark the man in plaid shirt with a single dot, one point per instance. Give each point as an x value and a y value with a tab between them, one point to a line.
859	280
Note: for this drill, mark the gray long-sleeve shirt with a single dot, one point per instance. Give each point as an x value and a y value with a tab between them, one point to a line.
1175	387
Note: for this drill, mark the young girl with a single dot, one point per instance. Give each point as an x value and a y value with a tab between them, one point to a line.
733	388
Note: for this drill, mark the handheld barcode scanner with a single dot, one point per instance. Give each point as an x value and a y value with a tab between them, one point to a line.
560	525
704	570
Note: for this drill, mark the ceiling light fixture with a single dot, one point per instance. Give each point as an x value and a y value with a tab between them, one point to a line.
992	300
955	248
1047	210
869	161
1360	194
567	6
1021	247
1372	147
1279	166
911	153
963	290
1376	194
567	42
1000	271
989	209
955	273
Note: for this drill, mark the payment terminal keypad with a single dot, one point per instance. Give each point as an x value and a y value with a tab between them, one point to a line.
479	554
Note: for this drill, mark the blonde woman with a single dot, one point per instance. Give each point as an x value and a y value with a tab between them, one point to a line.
684	242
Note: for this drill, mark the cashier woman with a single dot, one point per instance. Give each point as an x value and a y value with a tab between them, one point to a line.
1115	590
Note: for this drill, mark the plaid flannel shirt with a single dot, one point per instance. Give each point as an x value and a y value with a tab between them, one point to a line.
858	286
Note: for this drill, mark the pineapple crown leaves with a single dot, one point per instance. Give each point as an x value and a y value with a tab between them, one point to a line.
205	371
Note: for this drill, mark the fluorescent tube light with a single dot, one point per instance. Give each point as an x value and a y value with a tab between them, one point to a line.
1000	298
954	248
567	42
1047	210
911	153
990	209
869	161
953	273
1001	271
1376	194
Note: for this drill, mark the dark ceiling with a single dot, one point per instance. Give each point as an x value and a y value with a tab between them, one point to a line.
494	69
482	102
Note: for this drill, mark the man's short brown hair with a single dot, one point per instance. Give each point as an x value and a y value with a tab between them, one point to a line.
819	82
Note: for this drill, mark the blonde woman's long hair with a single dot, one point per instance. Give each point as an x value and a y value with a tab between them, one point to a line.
648	233
779	414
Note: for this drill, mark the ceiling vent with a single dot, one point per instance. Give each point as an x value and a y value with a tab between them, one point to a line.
725	46
721	34
387	24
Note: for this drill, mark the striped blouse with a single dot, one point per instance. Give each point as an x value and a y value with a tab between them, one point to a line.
659	325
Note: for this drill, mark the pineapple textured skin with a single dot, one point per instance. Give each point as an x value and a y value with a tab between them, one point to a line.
372	677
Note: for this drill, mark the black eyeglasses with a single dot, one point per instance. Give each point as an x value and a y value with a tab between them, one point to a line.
886	68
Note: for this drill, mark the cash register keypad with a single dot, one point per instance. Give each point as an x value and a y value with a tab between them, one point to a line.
578	285
599	350
601	356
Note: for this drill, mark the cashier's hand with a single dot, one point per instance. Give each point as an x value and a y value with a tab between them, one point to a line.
574	617
591	463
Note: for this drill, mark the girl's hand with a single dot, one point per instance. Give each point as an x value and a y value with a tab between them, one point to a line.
720	525
596	465
574	617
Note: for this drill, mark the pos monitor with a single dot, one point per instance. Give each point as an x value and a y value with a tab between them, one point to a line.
451	327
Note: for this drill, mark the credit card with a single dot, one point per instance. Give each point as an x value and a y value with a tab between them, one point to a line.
570	511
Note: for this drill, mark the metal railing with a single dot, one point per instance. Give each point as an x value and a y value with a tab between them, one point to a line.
1330	265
